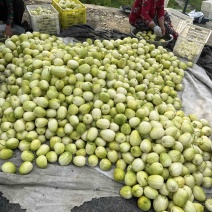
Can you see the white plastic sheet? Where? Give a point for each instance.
(60, 188)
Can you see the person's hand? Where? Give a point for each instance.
(157, 31)
(162, 26)
(163, 30)
(8, 31)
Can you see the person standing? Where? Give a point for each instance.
(11, 12)
(150, 14)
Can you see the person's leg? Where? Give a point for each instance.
(138, 23)
(18, 7)
(141, 25)
(168, 26)
(3, 12)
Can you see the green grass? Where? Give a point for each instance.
(173, 4)
(109, 3)
(119, 3)
(195, 4)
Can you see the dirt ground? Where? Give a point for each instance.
(97, 16)
(107, 18)
(101, 17)
(112, 18)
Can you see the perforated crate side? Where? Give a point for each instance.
(178, 14)
(196, 33)
(188, 49)
(70, 17)
(177, 23)
(179, 20)
(48, 23)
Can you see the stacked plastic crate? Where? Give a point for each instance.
(179, 20)
(191, 41)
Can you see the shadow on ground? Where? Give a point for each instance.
(5, 206)
(103, 204)
(108, 204)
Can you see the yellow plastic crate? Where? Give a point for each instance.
(70, 17)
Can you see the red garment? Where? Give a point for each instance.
(146, 10)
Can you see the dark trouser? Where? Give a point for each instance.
(18, 8)
(140, 24)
